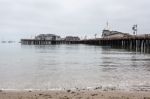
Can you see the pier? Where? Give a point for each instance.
(135, 43)
(46, 42)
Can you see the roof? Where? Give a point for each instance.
(113, 33)
(46, 35)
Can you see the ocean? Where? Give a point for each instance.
(58, 67)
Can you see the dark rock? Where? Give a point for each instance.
(30, 91)
(40, 94)
(146, 97)
(68, 90)
(72, 92)
(65, 97)
(98, 88)
(94, 94)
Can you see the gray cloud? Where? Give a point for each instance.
(23, 18)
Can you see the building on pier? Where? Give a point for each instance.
(114, 34)
(47, 37)
(72, 38)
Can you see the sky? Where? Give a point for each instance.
(28, 18)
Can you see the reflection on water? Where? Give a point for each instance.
(70, 66)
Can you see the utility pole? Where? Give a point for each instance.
(95, 35)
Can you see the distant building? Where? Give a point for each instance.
(47, 37)
(72, 38)
(114, 34)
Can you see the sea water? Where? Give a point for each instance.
(47, 67)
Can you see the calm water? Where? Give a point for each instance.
(70, 66)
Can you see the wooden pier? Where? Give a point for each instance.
(46, 42)
(139, 44)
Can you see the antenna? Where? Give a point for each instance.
(107, 25)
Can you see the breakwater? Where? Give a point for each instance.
(140, 44)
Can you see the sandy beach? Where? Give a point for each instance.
(79, 94)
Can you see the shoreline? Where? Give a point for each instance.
(73, 94)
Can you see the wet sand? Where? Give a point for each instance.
(78, 94)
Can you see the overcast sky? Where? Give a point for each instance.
(26, 18)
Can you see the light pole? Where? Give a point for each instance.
(134, 28)
(95, 35)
